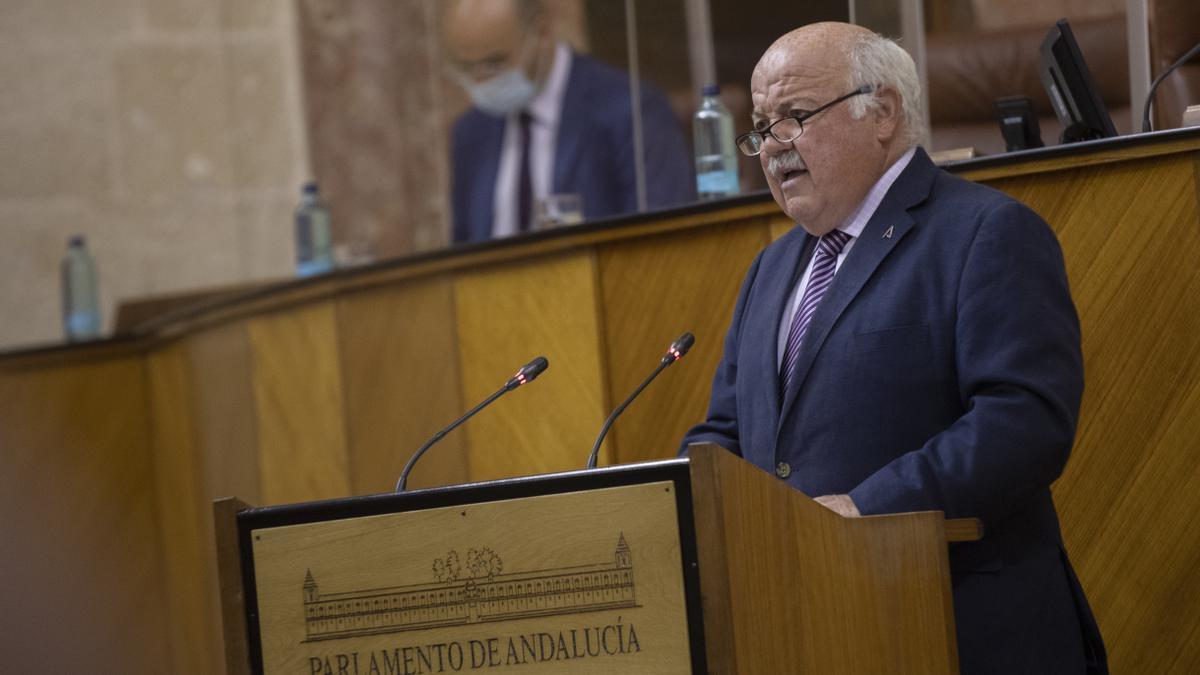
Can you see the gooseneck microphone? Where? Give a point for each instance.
(528, 373)
(675, 352)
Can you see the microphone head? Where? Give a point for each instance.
(529, 372)
(679, 347)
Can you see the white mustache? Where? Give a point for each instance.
(779, 165)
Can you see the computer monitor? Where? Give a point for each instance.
(1071, 89)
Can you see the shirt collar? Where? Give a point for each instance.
(857, 222)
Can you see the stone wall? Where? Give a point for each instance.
(169, 132)
(373, 95)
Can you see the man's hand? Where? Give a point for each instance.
(842, 505)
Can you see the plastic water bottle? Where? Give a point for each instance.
(314, 235)
(716, 158)
(81, 305)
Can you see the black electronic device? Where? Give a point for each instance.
(1018, 123)
(1071, 89)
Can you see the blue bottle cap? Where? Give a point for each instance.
(76, 241)
(310, 188)
(710, 90)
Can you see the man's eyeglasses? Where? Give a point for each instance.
(789, 128)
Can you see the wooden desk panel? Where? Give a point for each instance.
(297, 380)
(80, 554)
(205, 446)
(400, 373)
(224, 416)
(231, 402)
(192, 615)
(507, 315)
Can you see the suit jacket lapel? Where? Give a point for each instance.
(487, 154)
(887, 227)
(573, 121)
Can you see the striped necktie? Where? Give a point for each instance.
(824, 266)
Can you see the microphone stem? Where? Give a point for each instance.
(400, 484)
(1146, 123)
(621, 408)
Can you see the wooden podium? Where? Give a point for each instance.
(698, 565)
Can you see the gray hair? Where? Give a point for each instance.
(879, 61)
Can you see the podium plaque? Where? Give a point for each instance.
(586, 572)
(592, 578)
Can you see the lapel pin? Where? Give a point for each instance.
(888, 234)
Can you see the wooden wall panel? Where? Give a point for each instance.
(507, 315)
(401, 377)
(298, 397)
(80, 555)
(1129, 499)
(653, 290)
(1140, 573)
(182, 514)
(224, 433)
(225, 414)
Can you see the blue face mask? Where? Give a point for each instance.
(505, 93)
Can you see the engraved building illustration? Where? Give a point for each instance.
(490, 597)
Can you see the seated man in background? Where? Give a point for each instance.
(548, 121)
(911, 346)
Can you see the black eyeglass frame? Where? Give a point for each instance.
(762, 134)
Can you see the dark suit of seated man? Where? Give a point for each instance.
(547, 121)
(911, 345)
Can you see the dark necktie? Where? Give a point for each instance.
(524, 178)
(824, 266)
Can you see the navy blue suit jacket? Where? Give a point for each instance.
(593, 156)
(942, 371)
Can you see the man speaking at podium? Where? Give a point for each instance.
(911, 346)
